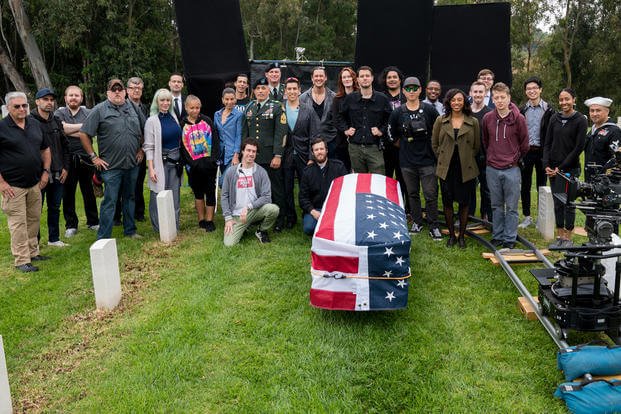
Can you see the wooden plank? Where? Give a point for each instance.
(514, 256)
(526, 308)
(580, 231)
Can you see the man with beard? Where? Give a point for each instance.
(81, 170)
(119, 130)
(315, 183)
(53, 134)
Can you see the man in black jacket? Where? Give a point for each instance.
(537, 113)
(53, 134)
(316, 182)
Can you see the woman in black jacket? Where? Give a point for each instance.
(561, 155)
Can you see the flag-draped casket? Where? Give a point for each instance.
(360, 255)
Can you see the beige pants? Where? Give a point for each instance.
(23, 214)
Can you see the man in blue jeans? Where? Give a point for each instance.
(505, 137)
(315, 183)
(118, 126)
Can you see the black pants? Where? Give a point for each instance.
(393, 170)
(564, 214)
(277, 181)
(295, 167)
(81, 173)
(532, 160)
(138, 195)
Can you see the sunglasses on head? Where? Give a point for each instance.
(23, 106)
(292, 79)
(412, 88)
(116, 88)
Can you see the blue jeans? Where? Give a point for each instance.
(504, 187)
(53, 192)
(308, 224)
(123, 182)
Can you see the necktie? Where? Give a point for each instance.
(177, 107)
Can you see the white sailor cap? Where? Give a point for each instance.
(598, 100)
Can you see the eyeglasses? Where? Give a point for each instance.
(411, 88)
(22, 106)
(138, 88)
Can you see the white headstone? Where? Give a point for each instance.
(166, 216)
(6, 406)
(619, 121)
(610, 264)
(545, 216)
(106, 276)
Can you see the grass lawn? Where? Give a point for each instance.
(203, 328)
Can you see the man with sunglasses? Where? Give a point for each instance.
(118, 126)
(410, 127)
(24, 171)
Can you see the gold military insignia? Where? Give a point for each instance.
(283, 118)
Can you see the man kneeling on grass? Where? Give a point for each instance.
(247, 197)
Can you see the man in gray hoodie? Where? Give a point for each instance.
(247, 197)
(505, 138)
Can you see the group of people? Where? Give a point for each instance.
(264, 138)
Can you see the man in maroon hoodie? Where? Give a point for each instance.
(505, 137)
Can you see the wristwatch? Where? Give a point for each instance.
(92, 155)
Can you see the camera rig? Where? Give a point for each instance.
(574, 294)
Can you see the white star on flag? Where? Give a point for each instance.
(388, 273)
(402, 283)
(400, 260)
(397, 235)
(383, 225)
(382, 214)
(390, 296)
(371, 235)
(388, 251)
(370, 216)
(370, 207)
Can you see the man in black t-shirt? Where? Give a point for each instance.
(24, 171)
(410, 128)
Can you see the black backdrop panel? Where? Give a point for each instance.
(212, 47)
(469, 38)
(394, 32)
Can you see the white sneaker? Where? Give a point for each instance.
(70, 232)
(94, 227)
(58, 243)
(416, 228)
(528, 221)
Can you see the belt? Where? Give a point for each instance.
(363, 145)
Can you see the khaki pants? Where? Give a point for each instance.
(23, 214)
(366, 159)
(267, 215)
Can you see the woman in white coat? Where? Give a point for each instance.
(162, 137)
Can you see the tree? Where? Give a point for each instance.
(37, 64)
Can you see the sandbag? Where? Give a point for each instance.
(592, 397)
(575, 361)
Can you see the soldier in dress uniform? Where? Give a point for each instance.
(604, 133)
(265, 120)
(274, 75)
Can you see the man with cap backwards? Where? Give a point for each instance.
(273, 76)
(52, 129)
(604, 133)
(119, 130)
(265, 121)
(410, 127)
(24, 170)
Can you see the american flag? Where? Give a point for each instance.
(360, 255)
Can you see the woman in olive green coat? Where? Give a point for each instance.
(455, 142)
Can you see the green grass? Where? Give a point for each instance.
(202, 328)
